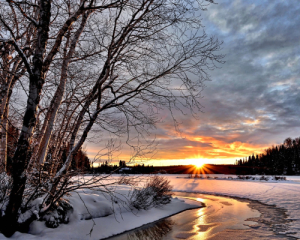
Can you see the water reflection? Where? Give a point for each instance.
(202, 226)
(220, 213)
(155, 232)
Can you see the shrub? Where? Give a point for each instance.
(264, 178)
(279, 178)
(156, 191)
(59, 213)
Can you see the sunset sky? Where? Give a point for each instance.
(253, 100)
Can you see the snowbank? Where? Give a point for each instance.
(96, 215)
(237, 177)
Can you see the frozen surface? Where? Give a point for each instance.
(283, 194)
(219, 215)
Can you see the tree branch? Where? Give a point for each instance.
(20, 52)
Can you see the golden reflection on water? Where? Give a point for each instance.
(220, 213)
(202, 227)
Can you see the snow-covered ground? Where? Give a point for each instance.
(110, 215)
(283, 194)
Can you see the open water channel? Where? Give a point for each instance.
(221, 218)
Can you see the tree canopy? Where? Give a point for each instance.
(85, 65)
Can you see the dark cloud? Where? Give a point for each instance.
(253, 100)
(254, 97)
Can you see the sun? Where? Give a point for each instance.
(197, 162)
(199, 165)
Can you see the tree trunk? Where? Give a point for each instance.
(73, 151)
(56, 101)
(3, 101)
(23, 152)
(3, 148)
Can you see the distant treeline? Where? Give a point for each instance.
(280, 159)
(122, 168)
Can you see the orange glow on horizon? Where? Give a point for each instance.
(192, 150)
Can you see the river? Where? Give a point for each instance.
(221, 218)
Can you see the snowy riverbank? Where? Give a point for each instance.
(109, 215)
(283, 194)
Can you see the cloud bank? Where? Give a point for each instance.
(253, 100)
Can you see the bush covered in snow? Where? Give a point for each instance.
(156, 191)
(59, 213)
(102, 197)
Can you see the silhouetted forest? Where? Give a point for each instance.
(122, 168)
(280, 159)
(80, 161)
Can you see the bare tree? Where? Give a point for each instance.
(107, 65)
